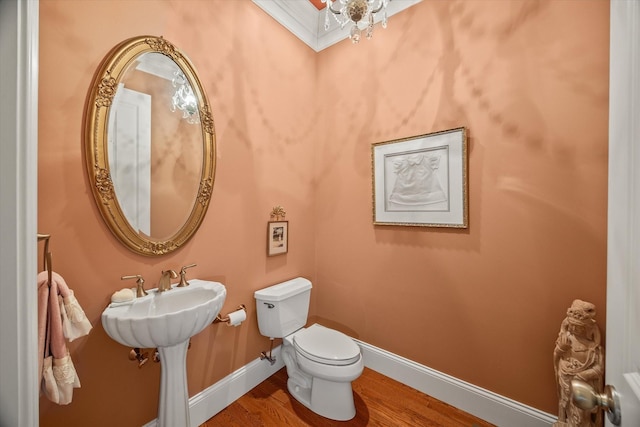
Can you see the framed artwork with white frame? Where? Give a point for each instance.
(421, 180)
(277, 237)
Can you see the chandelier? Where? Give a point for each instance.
(356, 11)
(183, 99)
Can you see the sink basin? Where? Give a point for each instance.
(165, 319)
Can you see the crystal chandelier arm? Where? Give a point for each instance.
(380, 6)
(330, 7)
(335, 12)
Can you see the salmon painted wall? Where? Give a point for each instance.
(529, 81)
(258, 78)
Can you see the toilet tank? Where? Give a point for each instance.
(283, 308)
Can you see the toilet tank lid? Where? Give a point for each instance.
(283, 290)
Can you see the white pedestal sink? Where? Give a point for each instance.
(166, 321)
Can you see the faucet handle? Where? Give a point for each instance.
(140, 292)
(183, 276)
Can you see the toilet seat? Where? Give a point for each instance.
(326, 346)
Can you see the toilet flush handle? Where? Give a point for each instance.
(269, 305)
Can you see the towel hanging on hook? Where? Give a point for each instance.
(59, 316)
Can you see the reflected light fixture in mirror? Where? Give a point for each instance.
(356, 11)
(151, 172)
(183, 99)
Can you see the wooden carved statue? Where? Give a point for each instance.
(578, 354)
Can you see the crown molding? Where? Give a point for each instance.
(307, 23)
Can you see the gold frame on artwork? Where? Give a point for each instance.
(103, 90)
(421, 180)
(277, 238)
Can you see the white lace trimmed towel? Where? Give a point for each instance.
(59, 378)
(66, 378)
(74, 322)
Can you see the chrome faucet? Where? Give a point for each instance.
(165, 280)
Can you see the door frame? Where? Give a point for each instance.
(19, 30)
(623, 233)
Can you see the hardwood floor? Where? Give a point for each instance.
(380, 401)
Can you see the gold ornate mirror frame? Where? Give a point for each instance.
(103, 90)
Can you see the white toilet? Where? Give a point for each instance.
(321, 362)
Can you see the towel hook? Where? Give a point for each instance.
(46, 259)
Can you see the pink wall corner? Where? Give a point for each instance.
(529, 81)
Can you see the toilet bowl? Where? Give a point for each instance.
(321, 362)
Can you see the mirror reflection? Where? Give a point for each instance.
(154, 149)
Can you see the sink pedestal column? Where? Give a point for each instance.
(173, 410)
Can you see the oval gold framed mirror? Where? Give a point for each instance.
(149, 145)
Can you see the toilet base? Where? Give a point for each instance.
(330, 399)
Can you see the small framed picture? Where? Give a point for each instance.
(422, 180)
(277, 237)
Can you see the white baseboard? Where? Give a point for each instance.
(477, 401)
